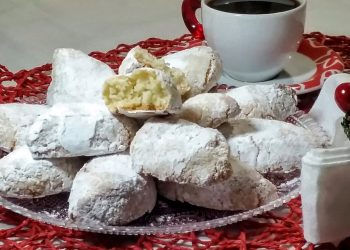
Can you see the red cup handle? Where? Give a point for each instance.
(189, 8)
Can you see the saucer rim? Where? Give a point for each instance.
(307, 85)
(277, 80)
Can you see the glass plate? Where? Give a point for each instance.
(167, 217)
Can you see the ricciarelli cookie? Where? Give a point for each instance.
(268, 145)
(265, 101)
(79, 129)
(202, 67)
(144, 92)
(76, 77)
(15, 118)
(180, 151)
(141, 58)
(106, 190)
(21, 176)
(245, 189)
(209, 109)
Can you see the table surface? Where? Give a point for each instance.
(31, 29)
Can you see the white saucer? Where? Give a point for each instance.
(299, 68)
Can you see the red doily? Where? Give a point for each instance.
(280, 232)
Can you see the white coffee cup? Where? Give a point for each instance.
(253, 47)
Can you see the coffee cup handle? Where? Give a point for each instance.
(189, 8)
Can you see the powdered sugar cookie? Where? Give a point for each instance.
(106, 190)
(245, 189)
(268, 145)
(79, 129)
(265, 101)
(141, 58)
(144, 92)
(180, 151)
(21, 176)
(209, 109)
(202, 67)
(76, 77)
(15, 118)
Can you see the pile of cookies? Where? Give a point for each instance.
(115, 141)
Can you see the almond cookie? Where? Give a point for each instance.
(141, 58)
(265, 101)
(209, 109)
(144, 92)
(21, 176)
(268, 145)
(107, 191)
(202, 67)
(15, 118)
(180, 151)
(76, 77)
(79, 129)
(244, 190)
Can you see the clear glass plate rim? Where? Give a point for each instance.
(137, 230)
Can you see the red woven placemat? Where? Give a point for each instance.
(273, 232)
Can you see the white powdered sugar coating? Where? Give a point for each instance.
(245, 189)
(21, 176)
(180, 151)
(201, 65)
(265, 101)
(79, 129)
(209, 109)
(130, 63)
(106, 190)
(76, 77)
(15, 118)
(268, 145)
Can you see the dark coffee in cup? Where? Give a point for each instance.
(253, 7)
